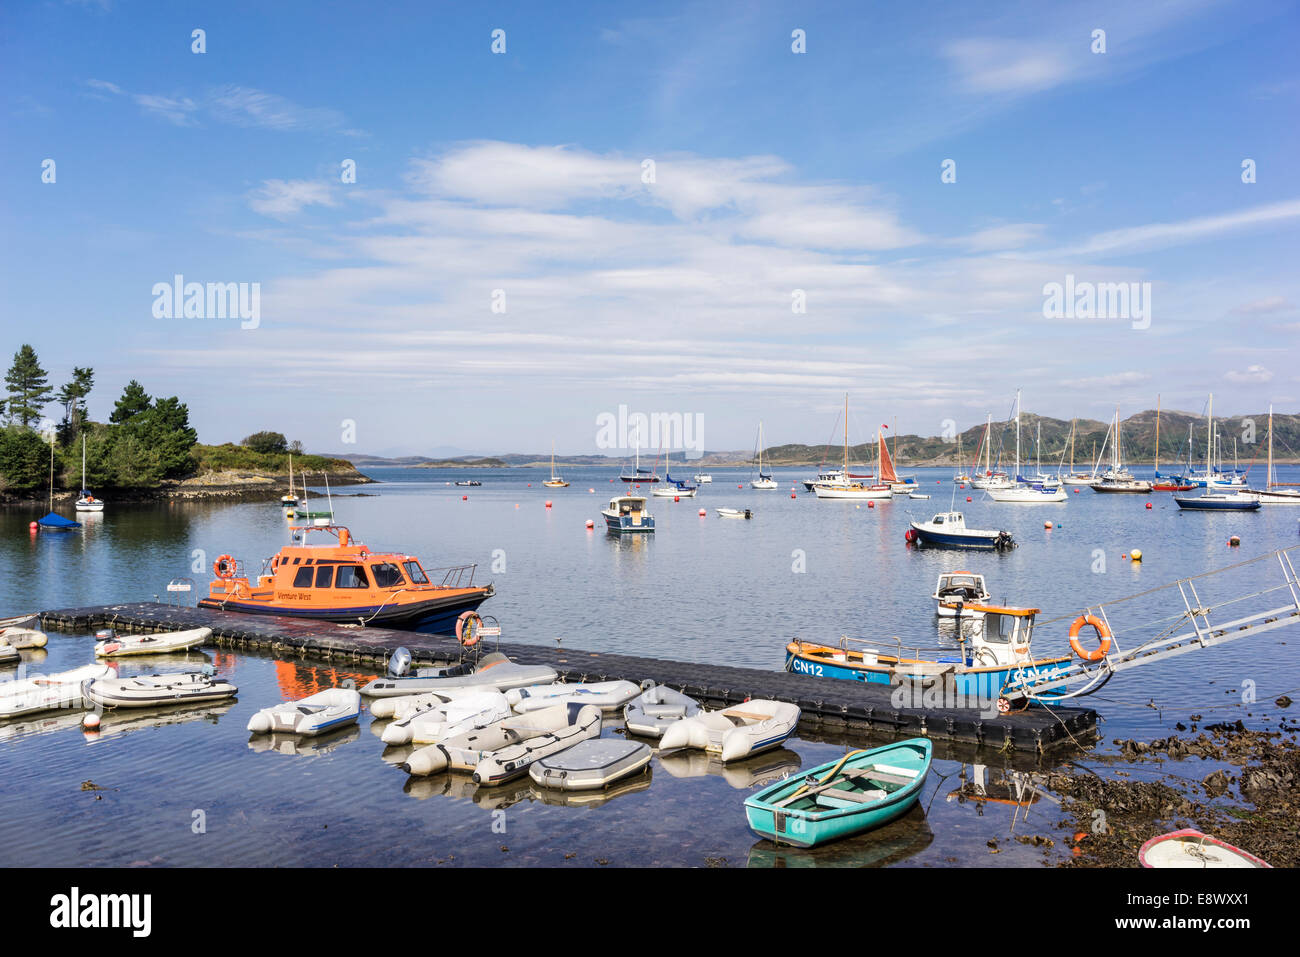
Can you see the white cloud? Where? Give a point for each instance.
(1160, 235)
(281, 198)
(1007, 66)
(1250, 375)
(236, 105)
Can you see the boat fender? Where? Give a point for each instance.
(224, 567)
(1103, 632)
(467, 628)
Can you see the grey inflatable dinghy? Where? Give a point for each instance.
(150, 691)
(495, 672)
(651, 714)
(591, 765)
(514, 761)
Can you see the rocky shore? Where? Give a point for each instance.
(230, 485)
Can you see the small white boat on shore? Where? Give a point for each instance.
(1190, 848)
(515, 761)
(735, 732)
(605, 695)
(591, 765)
(152, 691)
(650, 714)
(120, 646)
(315, 714)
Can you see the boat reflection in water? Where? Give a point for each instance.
(759, 770)
(882, 847)
(304, 745)
(461, 787)
(633, 785)
(114, 723)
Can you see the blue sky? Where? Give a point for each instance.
(774, 171)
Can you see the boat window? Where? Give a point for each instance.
(415, 573)
(324, 575)
(297, 560)
(387, 575)
(352, 576)
(303, 578)
(999, 628)
(938, 520)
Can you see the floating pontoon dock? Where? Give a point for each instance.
(826, 704)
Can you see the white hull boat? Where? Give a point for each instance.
(605, 695)
(151, 691)
(431, 725)
(24, 639)
(494, 672)
(854, 492)
(735, 732)
(650, 714)
(591, 765)
(672, 491)
(956, 589)
(315, 714)
(9, 655)
(734, 513)
(120, 646)
(515, 761)
(48, 692)
(464, 752)
(703, 479)
(406, 705)
(1027, 495)
(1190, 848)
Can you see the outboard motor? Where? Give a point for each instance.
(209, 670)
(105, 634)
(400, 663)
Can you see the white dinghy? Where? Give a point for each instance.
(735, 732)
(591, 765)
(406, 705)
(430, 725)
(464, 752)
(514, 761)
(47, 692)
(120, 646)
(605, 695)
(494, 672)
(650, 714)
(9, 655)
(151, 691)
(314, 714)
(23, 639)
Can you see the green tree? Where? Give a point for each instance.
(266, 442)
(24, 460)
(133, 402)
(72, 396)
(29, 390)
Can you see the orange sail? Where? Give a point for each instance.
(887, 473)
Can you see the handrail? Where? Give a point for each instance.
(454, 575)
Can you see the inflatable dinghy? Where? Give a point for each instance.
(650, 714)
(430, 725)
(495, 672)
(735, 732)
(514, 761)
(9, 655)
(464, 752)
(23, 638)
(605, 695)
(151, 691)
(325, 711)
(48, 692)
(591, 765)
(405, 705)
(119, 646)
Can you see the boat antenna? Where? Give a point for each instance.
(328, 498)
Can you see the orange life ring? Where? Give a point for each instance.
(467, 627)
(1103, 633)
(224, 567)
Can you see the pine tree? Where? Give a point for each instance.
(29, 390)
(73, 399)
(134, 401)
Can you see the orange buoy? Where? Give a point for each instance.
(1102, 631)
(703, 513)
(548, 503)
(792, 494)
(1047, 525)
(467, 628)
(590, 523)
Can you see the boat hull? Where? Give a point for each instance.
(1206, 504)
(982, 684)
(983, 540)
(432, 616)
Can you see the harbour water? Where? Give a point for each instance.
(190, 788)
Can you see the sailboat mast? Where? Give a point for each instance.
(1209, 440)
(51, 471)
(846, 438)
(1017, 435)
(83, 455)
(1157, 435)
(1268, 476)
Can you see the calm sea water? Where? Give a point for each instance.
(190, 787)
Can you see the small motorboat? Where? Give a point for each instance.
(605, 695)
(464, 752)
(429, 724)
(152, 691)
(591, 765)
(469, 483)
(514, 761)
(735, 732)
(734, 513)
(917, 495)
(19, 621)
(860, 791)
(1190, 848)
(649, 715)
(23, 639)
(315, 714)
(948, 529)
(113, 645)
(627, 513)
(702, 478)
(47, 692)
(956, 589)
(494, 672)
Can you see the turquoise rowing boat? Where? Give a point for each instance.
(858, 792)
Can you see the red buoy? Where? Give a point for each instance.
(548, 503)
(871, 505)
(1148, 504)
(968, 498)
(464, 498)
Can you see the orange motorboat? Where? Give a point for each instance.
(344, 581)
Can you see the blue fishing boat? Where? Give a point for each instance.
(858, 792)
(948, 529)
(990, 656)
(627, 513)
